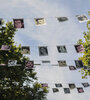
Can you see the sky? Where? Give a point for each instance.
(51, 35)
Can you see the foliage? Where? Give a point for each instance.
(16, 82)
(86, 56)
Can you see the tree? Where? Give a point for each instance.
(86, 56)
(15, 81)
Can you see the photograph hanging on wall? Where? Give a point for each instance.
(79, 63)
(80, 90)
(40, 21)
(72, 86)
(25, 50)
(66, 90)
(79, 48)
(62, 19)
(82, 18)
(62, 63)
(61, 49)
(44, 84)
(18, 23)
(58, 84)
(43, 51)
(85, 84)
(72, 67)
(12, 62)
(55, 90)
(5, 47)
(29, 64)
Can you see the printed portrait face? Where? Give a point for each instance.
(55, 90)
(72, 67)
(40, 21)
(62, 19)
(78, 63)
(25, 50)
(43, 51)
(5, 47)
(85, 84)
(79, 48)
(72, 86)
(62, 63)
(61, 49)
(18, 23)
(58, 85)
(66, 90)
(12, 62)
(29, 64)
(80, 90)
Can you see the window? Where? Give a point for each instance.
(61, 49)
(29, 64)
(55, 90)
(66, 90)
(79, 48)
(78, 63)
(62, 63)
(12, 62)
(25, 50)
(72, 86)
(80, 90)
(18, 23)
(72, 67)
(81, 18)
(62, 19)
(5, 47)
(85, 84)
(40, 21)
(58, 85)
(43, 51)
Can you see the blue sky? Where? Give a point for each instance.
(51, 35)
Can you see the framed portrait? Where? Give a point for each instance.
(12, 62)
(55, 90)
(44, 84)
(29, 64)
(58, 84)
(5, 47)
(66, 90)
(62, 63)
(61, 49)
(18, 23)
(80, 90)
(72, 86)
(79, 63)
(72, 67)
(82, 18)
(43, 51)
(25, 50)
(79, 48)
(40, 21)
(85, 84)
(62, 19)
